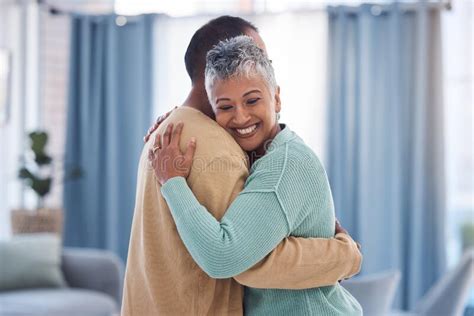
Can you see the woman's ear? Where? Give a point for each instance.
(277, 100)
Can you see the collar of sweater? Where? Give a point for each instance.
(284, 136)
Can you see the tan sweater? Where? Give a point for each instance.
(162, 278)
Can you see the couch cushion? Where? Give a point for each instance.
(31, 261)
(56, 302)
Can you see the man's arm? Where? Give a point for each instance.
(300, 263)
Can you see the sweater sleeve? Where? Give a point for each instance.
(252, 226)
(301, 263)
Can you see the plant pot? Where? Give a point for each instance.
(44, 220)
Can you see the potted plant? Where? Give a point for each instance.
(37, 173)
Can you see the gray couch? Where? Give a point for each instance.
(94, 279)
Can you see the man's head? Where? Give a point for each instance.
(209, 35)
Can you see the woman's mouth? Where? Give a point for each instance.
(247, 131)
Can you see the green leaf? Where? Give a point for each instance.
(41, 186)
(25, 174)
(39, 140)
(42, 159)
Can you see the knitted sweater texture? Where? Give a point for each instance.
(286, 194)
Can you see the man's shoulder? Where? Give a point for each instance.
(217, 154)
(190, 115)
(195, 122)
(211, 139)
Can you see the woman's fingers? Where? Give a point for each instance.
(159, 120)
(157, 124)
(147, 137)
(188, 156)
(150, 131)
(156, 141)
(176, 135)
(163, 117)
(157, 144)
(168, 161)
(167, 135)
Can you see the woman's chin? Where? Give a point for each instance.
(250, 143)
(247, 146)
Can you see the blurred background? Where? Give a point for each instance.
(381, 91)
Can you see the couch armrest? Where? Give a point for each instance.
(94, 269)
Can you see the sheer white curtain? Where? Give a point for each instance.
(296, 43)
(9, 18)
(18, 36)
(172, 83)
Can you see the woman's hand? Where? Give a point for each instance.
(166, 157)
(157, 124)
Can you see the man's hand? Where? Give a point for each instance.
(340, 229)
(157, 124)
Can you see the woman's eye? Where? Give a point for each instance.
(225, 107)
(253, 101)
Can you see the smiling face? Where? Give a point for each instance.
(247, 109)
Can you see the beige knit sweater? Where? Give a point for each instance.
(161, 277)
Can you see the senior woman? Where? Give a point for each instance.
(287, 192)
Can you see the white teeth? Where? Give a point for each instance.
(247, 130)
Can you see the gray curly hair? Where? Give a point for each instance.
(236, 57)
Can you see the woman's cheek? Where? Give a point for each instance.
(221, 119)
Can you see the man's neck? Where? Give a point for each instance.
(197, 99)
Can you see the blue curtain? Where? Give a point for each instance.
(385, 139)
(109, 110)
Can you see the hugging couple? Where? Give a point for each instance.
(249, 227)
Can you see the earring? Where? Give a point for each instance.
(277, 116)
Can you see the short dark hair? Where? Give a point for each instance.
(207, 36)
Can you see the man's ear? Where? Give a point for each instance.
(277, 100)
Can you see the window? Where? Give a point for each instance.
(459, 117)
(458, 48)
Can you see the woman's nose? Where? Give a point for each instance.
(241, 116)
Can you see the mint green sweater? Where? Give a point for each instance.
(287, 193)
